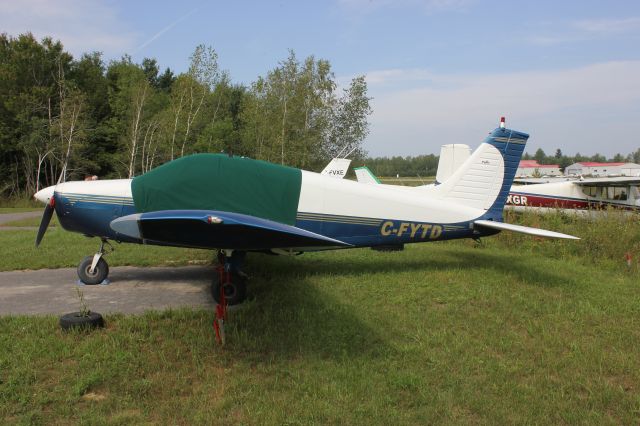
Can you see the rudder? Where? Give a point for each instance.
(484, 180)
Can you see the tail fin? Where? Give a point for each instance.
(337, 168)
(364, 175)
(484, 180)
(452, 156)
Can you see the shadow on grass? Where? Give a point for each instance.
(290, 314)
(292, 317)
(445, 258)
(520, 265)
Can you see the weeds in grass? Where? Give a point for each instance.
(84, 310)
(606, 235)
(19, 202)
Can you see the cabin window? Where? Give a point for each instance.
(591, 191)
(606, 193)
(620, 193)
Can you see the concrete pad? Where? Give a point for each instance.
(11, 217)
(132, 290)
(18, 228)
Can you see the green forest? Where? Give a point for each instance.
(67, 118)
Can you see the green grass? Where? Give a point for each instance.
(439, 333)
(21, 202)
(60, 248)
(515, 330)
(407, 181)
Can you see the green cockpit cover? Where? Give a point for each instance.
(220, 182)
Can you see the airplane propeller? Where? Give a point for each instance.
(46, 219)
(47, 195)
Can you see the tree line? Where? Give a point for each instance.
(427, 165)
(63, 118)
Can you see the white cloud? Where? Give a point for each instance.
(607, 26)
(81, 26)
(586, 30)
(398, 75)
(592, 104)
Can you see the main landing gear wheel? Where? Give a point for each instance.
(99, 273)
(235, 290)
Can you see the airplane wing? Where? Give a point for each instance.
(610, 181)
(535, 181)
(217, 229)
(522, 229)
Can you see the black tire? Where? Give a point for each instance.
(99, 274)
(78, 320)
(235, 291)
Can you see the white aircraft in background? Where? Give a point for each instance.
(621, 193)
(337, 168)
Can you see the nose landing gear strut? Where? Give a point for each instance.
(94, 269)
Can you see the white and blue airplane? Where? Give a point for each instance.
(238, 205)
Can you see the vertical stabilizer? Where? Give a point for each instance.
(452, 156)
(337, 168)
(364, 175)
(484, 180)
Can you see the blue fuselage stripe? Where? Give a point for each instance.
(86, 216)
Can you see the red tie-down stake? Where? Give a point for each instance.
(628, 258)
(221, 308)
(218, 324)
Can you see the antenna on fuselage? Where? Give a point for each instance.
(347, 154)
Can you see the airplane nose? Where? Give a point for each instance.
(44, 194)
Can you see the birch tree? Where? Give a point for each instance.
(349, 125)
(189, 94)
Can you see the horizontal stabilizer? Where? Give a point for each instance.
(522, 229)
(217, 229)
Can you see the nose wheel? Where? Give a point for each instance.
(94, 269)
(96, 276)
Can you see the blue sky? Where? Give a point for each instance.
(439, 71)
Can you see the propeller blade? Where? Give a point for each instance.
(46, 219)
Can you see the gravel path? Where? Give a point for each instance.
(10, 217)
(132, 290)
